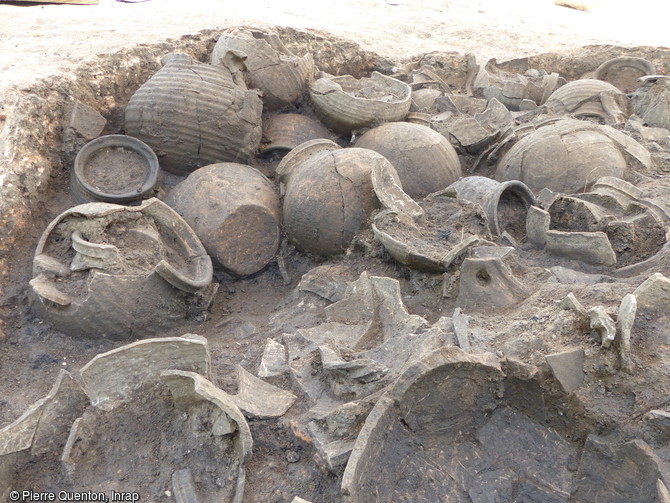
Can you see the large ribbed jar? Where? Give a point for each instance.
(193, 114)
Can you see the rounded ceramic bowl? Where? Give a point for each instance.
(115, 169)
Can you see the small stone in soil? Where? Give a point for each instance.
(292, 456)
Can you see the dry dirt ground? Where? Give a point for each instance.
(46, 48)
(40, 40)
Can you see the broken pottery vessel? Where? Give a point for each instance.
(624, 72)
(342, 365)
(234, 210)
(284, 132)
(104, 270)
(505, 204)
(432, 235)
(345, 104)
(590, 98)
(424, 159)
(611, 224)
(432, 240)
(488, 283)
(192, 114)
(268, 65)
(569, 155)
(456, 413)
(652, 101)
(153, 397)
(329, 197)
(515, 91)
(423, 99)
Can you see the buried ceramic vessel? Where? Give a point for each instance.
(453, 412)
(128, 398)
(516, 92)
(424, 159)
(110, 271)
(624, 72)
(192, 114)
(590, 98)
(346, 104)
(284, 132)
(632, 229)
(569, 155)
(234, 210)
(445, 230)
(300, 155)
(505, 204)
(329, 196)
(269, 66)
(115, 169)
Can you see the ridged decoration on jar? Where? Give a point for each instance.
(345, 103)
(567, 156)
(424, 159)
(281, 75)
(234, 210)
(329, 197)
(192, 114)
(284, 132)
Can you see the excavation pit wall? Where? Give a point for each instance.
(34, 188)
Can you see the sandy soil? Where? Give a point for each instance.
(40, 40)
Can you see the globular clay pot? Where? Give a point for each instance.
(329, 197)
(284, 132)
(301, 154)
(111, 271)
(424, 159)
(569, 156)
(192, 114)
(234, 210)
(345, 103)
(269, 66)
(505, 203)
(115, 169)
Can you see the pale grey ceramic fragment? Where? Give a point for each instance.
(113, 376)
(568, 368)
(654, 292)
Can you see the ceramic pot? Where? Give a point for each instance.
(192, 114)
(115, 169)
